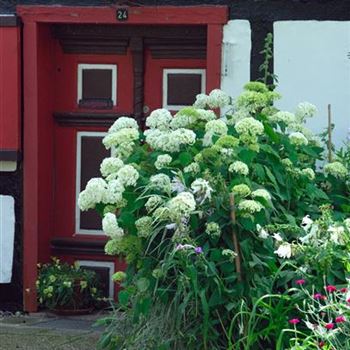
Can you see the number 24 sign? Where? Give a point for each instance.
(122, 14)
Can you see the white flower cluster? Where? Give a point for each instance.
(249, 126)
(284, 250)
(309, 173)
(248, 206)
(182, 205)
(298, 139)
(241, 190)
(217, 127)
(262, 233)
(110, 166)
(283, 117)
(218, 99)
(123, 123)
(110, 226)
(239, 167)
(114, 193)
(169, 141)
(262, 194)
(159, 119)
(212, 229)
(202, 189)
(229, 253)
(94, 193)
(120, 137)
(201, 101)
(161, 182)
(128, 175)
(193, 168)
(336, 169)
(305, 110)
(153, 202)
(144, 226)
(163, 161)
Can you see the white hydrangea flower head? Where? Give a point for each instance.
(193, 168)
(336, 169)
(262, 233)
(202, 189)
(347, 223)
(163, 161)
(206, 115)
(114, 193)
(110, 165)
(298, 139)
(249, 126)
(122, 136)
(284, 250)
(212, 229)
(309, 173)
(122, 123)
(202, 100)
(184, 136)
(218, 99)
(95, 192)
(181, 121)
(287, 163)
(336, 234)
(239, 167)
(128, 175)
(161, 182)
(182, 205)
(262, 193)
(229, 253)
(241, 190)
(305, 110)
(144, 226)
(217, 127)
(283, 117)
(250, 206)
(153, 202)
(110, 226)
(252, 101)
(159, 119)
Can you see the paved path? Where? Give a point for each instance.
(46, 331)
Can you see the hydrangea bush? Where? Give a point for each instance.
(186, 203)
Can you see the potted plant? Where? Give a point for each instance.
(67, 289)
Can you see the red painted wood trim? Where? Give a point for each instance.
(30, 168)
(214, 48)
(10, 82)
(137, 15)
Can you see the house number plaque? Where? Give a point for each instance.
(122, 14)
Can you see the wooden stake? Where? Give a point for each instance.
(330, 156)
(234, 238)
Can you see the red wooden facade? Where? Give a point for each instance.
(53, 117)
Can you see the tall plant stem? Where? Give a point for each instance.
(234, 237)
(330, 156)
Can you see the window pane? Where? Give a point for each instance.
(97, 84)
(183, 88)
(92, 154)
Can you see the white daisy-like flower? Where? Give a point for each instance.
(202, 189)
(110, 226)
(262, 233)
(284, 250)
(239, 167)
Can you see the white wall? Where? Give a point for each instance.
(312, 64)
(7, 233)
(236, 50)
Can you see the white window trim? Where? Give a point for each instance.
(110, 265)
(112, 67)
(202, 72)
(78, 230)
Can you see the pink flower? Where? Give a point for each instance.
(348, 300)
(344, 290)
(319, 296)
(340, 319)
(331, 288)
(300, 282)
(294, 321)
(329, 325)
